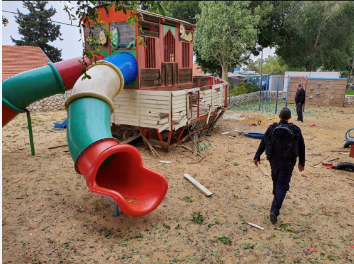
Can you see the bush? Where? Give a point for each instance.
(241, 89)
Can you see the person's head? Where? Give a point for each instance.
(285, 114)
(298, 86)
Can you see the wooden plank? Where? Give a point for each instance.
(163, 74)
(155, 142)
(130, 139)
(153, 92)
(179, 100)
(151, 18)
(164, 21)
(174, 73)
(124, 122)
(150, 74)
(178, 104)
(180, 124)
(148, 33)
(152, 101)
(198, 185)
(179, 93)
(148, 25)
(185, 75)
(178, 109)
(169, 74)
(165, 127)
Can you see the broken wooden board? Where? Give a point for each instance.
(263, 170)
(198, 185)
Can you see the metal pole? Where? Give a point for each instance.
(287, 93)
(276, 101)
(266, 96)
(260, 84)
(30, 131)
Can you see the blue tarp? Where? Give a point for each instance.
(60, 125)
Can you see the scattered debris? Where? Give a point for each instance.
(311, 249)
(313, 125)
(269, 118)
(224, 133)
(303, 175)
(151, 147)
(265, 173)
(198, 185)
(17, 180)
(58, 146)
(165, 161)
(262, 228)
(320, 161)
(328, 165)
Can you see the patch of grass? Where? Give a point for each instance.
(349, 92)
(248, 246)
(225, 240)
(332, 257)
(187, 199)
(283, 228)
(237, 197)
(197, 218)
(236, 164)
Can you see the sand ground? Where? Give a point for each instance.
(50, 216)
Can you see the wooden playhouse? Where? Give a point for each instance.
(165, 104)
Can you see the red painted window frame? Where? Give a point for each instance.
(185, 54)
(150, 53)
(169, 47)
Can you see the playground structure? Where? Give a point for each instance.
(153, 93)
(350, 139)
(112, 170)
(164, 104)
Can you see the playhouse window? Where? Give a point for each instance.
(169, 44)
(185, 55)
(150, 53)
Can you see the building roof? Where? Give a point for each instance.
(17, 59)
(197, 70)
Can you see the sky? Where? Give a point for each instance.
(70, 45)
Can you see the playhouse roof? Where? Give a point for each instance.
(144, 12)
(166, 17)
(17, 59)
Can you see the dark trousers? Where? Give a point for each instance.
(299, 109)
(281, 175)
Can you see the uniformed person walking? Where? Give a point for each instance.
(283, 143)
(300, 101)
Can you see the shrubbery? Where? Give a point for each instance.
(244, 88)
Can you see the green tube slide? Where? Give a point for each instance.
(87, 114)
(34, 85)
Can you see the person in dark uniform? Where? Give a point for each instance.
(282, 165)
(300, 101)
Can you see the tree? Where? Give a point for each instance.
(5, 21)
(318, 35)
(273, 66)
(224, 30)
(37, 30)
(184, 10)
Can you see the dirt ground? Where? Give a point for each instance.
(50, 216)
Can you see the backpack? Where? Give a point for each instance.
(281, 142)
